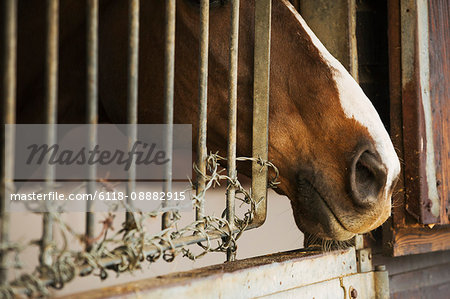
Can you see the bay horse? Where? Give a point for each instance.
(337, 164)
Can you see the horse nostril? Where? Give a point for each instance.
(367, 178)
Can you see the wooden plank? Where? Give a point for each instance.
(420, 279)
(334, 24)
(439, 47)
(419, 27)
(403, 143)
(431, 292)
(253, 277)
(416, 185)
(396, 120)
(424, 141)
(417, 276)
(420, 240)
(402, 264)
(417, 239)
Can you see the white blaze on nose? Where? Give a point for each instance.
(356, 105)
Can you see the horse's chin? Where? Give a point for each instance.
(313, 216)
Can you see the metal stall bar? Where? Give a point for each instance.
(261, 85)
(51, 116)
(92, 105)
(203, 96)
(232, 117)
(132, 108)
(169, 75)
(7, 134)
(260, 137)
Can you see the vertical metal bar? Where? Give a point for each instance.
(92, 104)
(353, 43)
(51, 117)
(132, 109)
(232, 115)
(381, 278)
(169, 73)
(260, 137)
(203, 96)
(7, 134)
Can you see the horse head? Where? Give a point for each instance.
(337, 163)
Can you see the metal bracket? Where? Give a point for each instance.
(363, 255)
(364, 260)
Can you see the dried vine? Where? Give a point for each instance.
(128, 244)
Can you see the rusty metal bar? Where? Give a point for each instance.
(353, 43)
(232, 116)
(92, 104)
(169, 75)
(203, 96)
(260, 137)
(7, 133)
(51, 116)
(132, 108)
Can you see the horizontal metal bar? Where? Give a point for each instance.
(260, 137)
(7, 135)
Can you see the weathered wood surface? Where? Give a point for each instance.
(396, 119)
(439, 33)
(408, 263)
(334, 23)
(418, 276)
(414, 139)
(416, 282)
(431, 292)
(410, 87)
(426, 103)
(420, 240)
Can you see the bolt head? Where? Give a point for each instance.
(380, 268)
